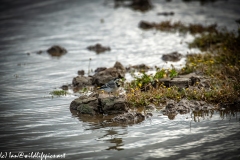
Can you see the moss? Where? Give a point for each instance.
(85, 109)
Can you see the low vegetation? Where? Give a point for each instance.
(169, 26)
(220, 62)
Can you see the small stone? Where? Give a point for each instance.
(174, 57)
(56, 51)
(98, 48)
(64, 87)
(81, 72)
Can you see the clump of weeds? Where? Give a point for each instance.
(59, 93)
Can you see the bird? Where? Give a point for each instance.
(111, 86)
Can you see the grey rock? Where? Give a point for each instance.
(102, 77)
(81, 81)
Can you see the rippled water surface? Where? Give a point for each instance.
(32, 121)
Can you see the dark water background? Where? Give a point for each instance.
(32, 121)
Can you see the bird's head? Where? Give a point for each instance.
(117, 81)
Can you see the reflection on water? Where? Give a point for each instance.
(32, 121)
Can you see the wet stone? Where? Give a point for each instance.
(104, 76)
(174, 57)
(64, 87)
(165, 13)
(185, 106)
(98, 48)
(81, 72)
(56, 51)
(81, 81)
(129, 117)
(146, 25)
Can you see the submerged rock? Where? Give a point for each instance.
(146, 25)
(174, 57)
(98, 48)
(165, 13)
(57, 51)
(64, 87)
(129, 117)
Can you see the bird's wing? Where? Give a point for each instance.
(110, 84)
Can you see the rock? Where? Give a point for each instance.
(139, 67)
(129, 117)
(39, 52)
(99, 69)
(184, 81)
(85, 105)
(185, 106)
(102, 77)
(64, 87)
(194, 80)
(180, 82)
(98, 104)
(57, 51)
(98, 48)
(113, 105)
(81, 81)
(174, 57)
(81, 72)
(120, 69)
(165, 13)
(150, 107)
(141, 5)
(146, 25)
(170, 107)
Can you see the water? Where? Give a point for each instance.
(33, 121)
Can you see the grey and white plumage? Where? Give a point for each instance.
(111, 86)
